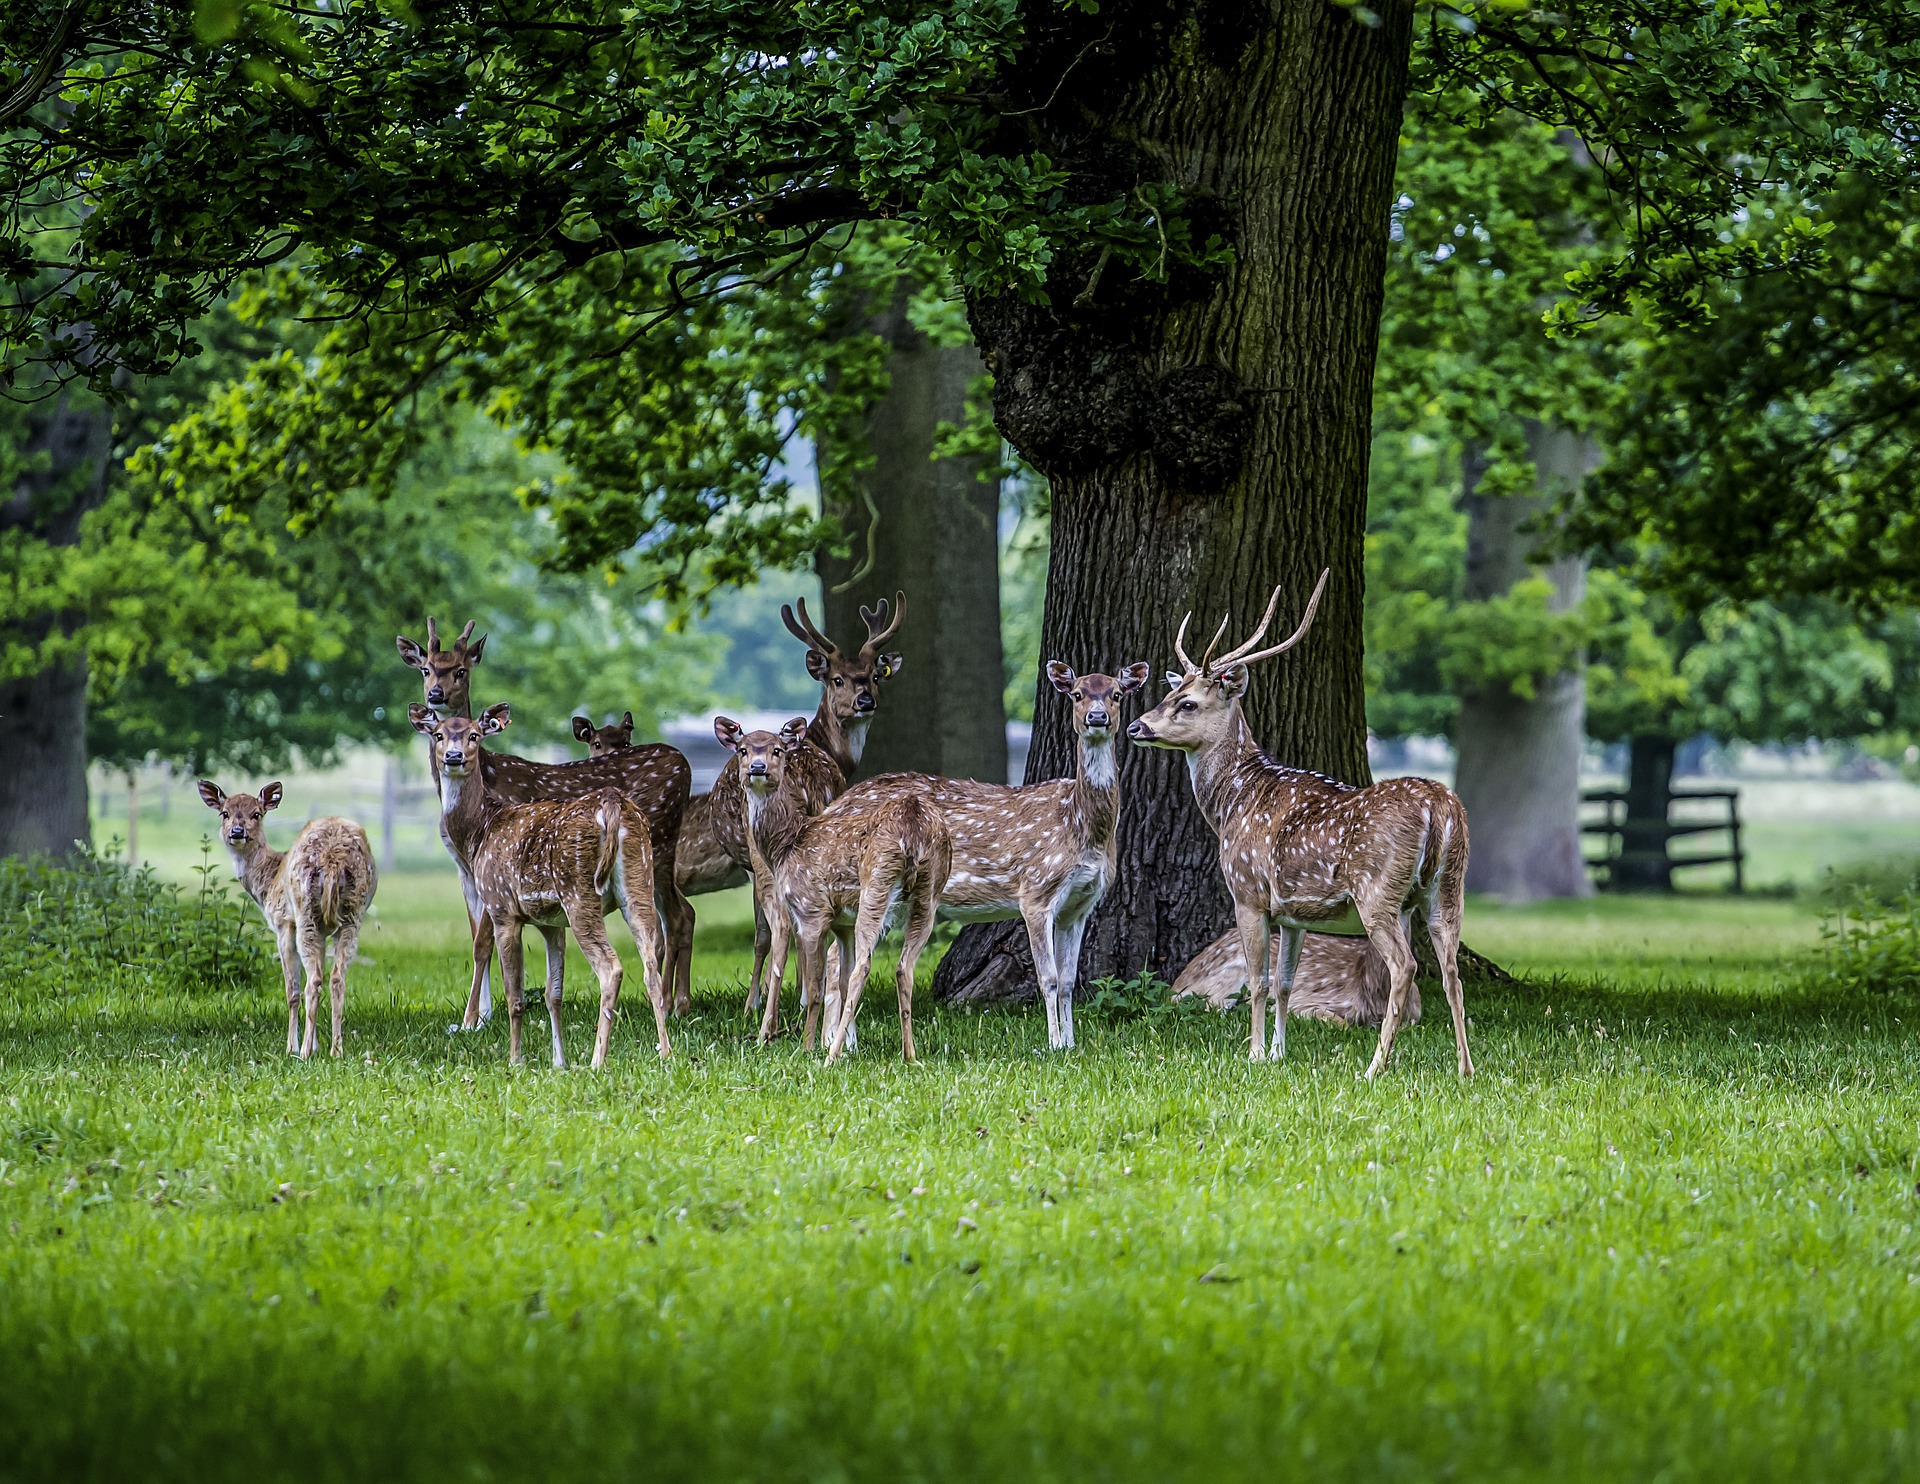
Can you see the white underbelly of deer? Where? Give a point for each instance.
(1340, 918)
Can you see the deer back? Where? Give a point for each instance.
(328, 873)
(531, 859)
(655, 776)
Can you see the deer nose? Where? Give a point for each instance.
(236, 833)
(455, 758)
(1098, 717)
(1140, 732)
(863, 702)
(435, 695)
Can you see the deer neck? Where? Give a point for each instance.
(257, 870)
(1096, 788)
(465, 805)
(774, 822)
(843, 741)
(1217, 769)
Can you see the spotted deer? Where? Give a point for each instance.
(615, 736)
(1339, 980)
(550, 864)
(714, 853)
(848, 876)
(1042, 852)
(656, 777)
(317, 889)
(1305, 853)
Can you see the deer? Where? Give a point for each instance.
(1043, 852)
(845, 875)
(318, 888)
(615, 736)
(714, 852)
(654, 775)
(553, 864)
(1303, 852)
(1340, 980)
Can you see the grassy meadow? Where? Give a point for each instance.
(1667, 1233)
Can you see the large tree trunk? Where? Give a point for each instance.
(43, 717)
(933, 533)
(1206, 440)
(1519, 757)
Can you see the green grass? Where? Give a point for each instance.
(1667, 1233)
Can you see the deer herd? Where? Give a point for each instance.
(1310, 862)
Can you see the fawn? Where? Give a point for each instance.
(319, 888)
(847, 875)
(550, 864)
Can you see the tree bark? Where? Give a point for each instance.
(1206, 439)
(43, 717)
(934, 534)
(1519, 757)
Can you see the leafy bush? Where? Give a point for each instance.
(1871, 938)
(1144, 997)
(91, 919)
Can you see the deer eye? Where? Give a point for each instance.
(1189, 706)
(839, 680)
(459, 674)
(1076, 695)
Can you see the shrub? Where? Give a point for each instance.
(1870, 939)
(1144, 997)
(90, 919)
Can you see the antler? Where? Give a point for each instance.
(465, 634)
(1214, 642)
(878, 614)
(803, 629)
(1241, 656)
(433, 636)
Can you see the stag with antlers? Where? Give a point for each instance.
(1304, 853)
(714, 851)
(655, 776)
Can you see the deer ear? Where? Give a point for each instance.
(626, 721)
(1061, 675)
(420, 719)
(474, 650)
(727, 732)
(1174, 677)
(496, 718)
(817, 665)
(794, 731)
(212, 793)
(1133, 677)
(1233, 684)
(270, 796)
(890, 666)
(410, 652)
(582, 729)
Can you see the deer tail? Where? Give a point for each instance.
(608, 816)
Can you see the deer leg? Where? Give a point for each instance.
(913, 941)
(556, 941)
(677, 913)
(479, 1009)
(781, 928)
(838, 974)
(1256, 942)
(1045, 967)
(346, 943)
(860, 962)
(1443, 931)
(590, 927)
(313, 961)
(813, 955)
(1384, 932)
(290, 973)
(513, 976)
(1290, 940)
(762, 944)
(1069, 939)
(655, 947)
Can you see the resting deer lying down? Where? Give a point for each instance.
(841, 874)
(551, 864)
(319, 888)
(1303, 852)
(1341, 980)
